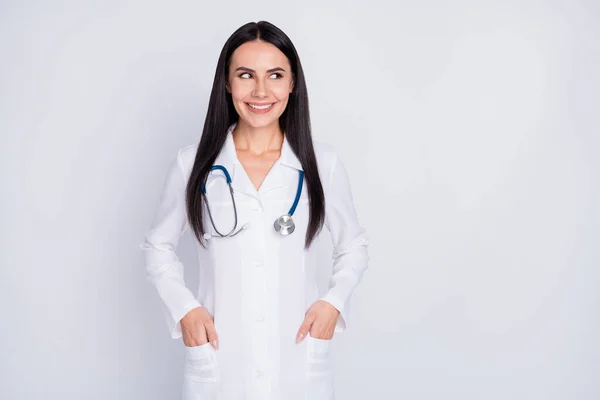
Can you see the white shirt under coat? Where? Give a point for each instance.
(257, 285)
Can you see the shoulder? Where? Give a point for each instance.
(327, 157)
(325, 152)
(186, 157)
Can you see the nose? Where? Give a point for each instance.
(260, 89)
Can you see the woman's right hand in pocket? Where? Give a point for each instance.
(197, 328)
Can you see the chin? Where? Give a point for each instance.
(258, 123)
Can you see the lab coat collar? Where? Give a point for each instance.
(227, 156)
(288, 157)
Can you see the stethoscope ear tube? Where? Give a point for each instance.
(235, 214)
(298, 193)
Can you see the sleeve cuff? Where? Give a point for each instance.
(174, 321)
(341, 307)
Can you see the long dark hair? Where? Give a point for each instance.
(221, 114)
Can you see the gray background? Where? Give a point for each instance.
(470, 131)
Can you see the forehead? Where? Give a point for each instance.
(259, 55)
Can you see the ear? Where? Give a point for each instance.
(291, 86)
(227, 88)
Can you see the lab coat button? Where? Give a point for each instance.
(259, 373)
(257, 264)
(260, 319)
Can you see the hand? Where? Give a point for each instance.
(197, 328)
(320, 320)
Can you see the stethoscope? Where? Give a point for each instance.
(283, 225)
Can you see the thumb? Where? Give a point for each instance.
(211, 334)
(305, 327)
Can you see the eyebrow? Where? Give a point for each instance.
(251, 70)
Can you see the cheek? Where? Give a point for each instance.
(281, 92)
(240, 91)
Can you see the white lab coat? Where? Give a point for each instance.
(257, 285)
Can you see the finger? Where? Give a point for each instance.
(317, 331)
(188, 336)
(305, 327)
(211, 334)
(199, 336)
(327, 334)
(187, 341)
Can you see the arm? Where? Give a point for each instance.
(163, 268)
(349, 241)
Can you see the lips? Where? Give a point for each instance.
(258, 108)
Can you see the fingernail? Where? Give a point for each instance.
(299, 337)
(215, 344)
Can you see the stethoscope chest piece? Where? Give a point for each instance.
(284, 225)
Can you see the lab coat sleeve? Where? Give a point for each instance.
(349, 239)
(163, 267)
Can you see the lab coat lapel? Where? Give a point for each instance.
(228, 158)
(278, 177)
(273, 180)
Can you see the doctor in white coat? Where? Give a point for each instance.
(257, 329)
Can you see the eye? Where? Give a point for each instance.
(279, 76)
(243, 75)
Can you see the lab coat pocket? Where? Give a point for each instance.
(201, 363)
(201, 374)
(319, 371)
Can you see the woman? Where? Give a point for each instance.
(257, 328)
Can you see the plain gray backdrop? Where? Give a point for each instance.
(470, 131)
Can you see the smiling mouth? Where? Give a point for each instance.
(259, 108)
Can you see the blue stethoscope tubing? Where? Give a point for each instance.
(284, 225)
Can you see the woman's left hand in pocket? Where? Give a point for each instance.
(320, 320)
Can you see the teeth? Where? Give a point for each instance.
(260, 107)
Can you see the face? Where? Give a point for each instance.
(260, 82)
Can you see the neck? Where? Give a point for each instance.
(257, 140)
